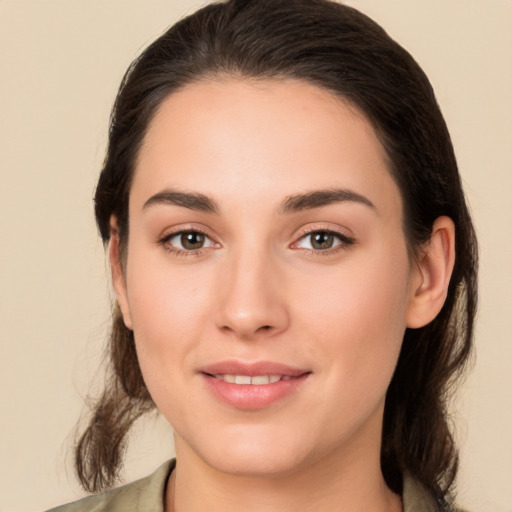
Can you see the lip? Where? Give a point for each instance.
(252, 369)
(253, 396)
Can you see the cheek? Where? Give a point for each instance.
(160, 293)
(357, 325)
(357, 316)
(167, 314)
(168, 310)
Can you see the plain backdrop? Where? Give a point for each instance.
(60, 65)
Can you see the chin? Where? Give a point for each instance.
(251, 454)
(252, 463)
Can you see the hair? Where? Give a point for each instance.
(339, 49)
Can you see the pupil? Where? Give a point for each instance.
(322, 240)
(192, 240)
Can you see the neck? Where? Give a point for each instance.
(325, 485)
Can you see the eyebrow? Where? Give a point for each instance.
(294, 203)
(319, 198)
(191, 200)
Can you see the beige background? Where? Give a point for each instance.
(61, 62)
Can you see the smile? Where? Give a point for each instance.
(253, 386)
(256, 380)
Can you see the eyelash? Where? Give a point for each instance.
(344, 242)
(165, 242)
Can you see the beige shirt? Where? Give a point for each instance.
(147, 495)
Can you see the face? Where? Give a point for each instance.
(267, 277)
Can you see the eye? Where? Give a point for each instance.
(322, 240)
(188, 241)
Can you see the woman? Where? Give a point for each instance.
(294, 267)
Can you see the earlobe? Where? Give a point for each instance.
(432, 274)
(118, 276)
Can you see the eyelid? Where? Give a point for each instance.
(169, 233)
(337, 229)
(345, 239)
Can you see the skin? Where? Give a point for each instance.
(257, 291)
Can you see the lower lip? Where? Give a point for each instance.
(253, 397)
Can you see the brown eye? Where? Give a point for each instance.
(192, 240)
(187, 241)
(322, 240)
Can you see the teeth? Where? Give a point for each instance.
(260, 379)
(255, 380)
(242, 379)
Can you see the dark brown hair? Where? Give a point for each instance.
(341, 50)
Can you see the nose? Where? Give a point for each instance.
(252, 298)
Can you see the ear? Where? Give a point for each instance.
(118, 276)
(431, 275)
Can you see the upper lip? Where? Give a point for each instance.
(252, 369)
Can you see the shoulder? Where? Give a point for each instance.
(417, 499)
(144, 495)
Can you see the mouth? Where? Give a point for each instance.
(248, 380)
(251, 386)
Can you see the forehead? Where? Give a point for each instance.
(234, 137)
